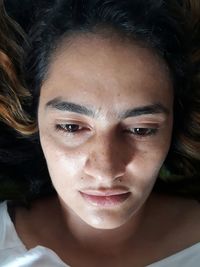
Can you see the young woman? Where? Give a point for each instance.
(112, 98)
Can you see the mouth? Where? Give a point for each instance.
(108, 198)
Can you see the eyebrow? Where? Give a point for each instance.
(62, 105)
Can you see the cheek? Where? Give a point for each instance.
(62, 163)
(144, 169)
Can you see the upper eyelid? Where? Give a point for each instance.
(81, 124)
(81, 127)
(145, 126)
(155, 128)
(60, 126)
(136, 136)
(122, 126)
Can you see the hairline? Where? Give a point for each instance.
(104, 31)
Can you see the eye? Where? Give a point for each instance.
(143, 132)
(69, 128)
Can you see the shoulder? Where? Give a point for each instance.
(3, 206)
(10, 244)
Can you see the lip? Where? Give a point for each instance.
(106, 198)
(105, 192)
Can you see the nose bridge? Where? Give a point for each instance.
(106, 159)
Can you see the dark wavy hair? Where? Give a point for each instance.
(183, 162)
(17, 153)
(12, 91)
(157, 24)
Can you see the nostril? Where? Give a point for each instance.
(119, 180)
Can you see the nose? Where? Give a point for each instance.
(107, 159)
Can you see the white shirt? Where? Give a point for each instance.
(13, 253)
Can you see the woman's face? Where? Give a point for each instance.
(105, 121)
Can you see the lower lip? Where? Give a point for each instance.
(105, 201)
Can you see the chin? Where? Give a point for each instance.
(105, 221)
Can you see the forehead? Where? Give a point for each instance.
(91, 66)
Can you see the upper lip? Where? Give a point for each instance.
(104, 192)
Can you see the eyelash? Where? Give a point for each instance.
(148, 131)
(63, 128)
(145, 132)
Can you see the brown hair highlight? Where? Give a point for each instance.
(12, 92)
